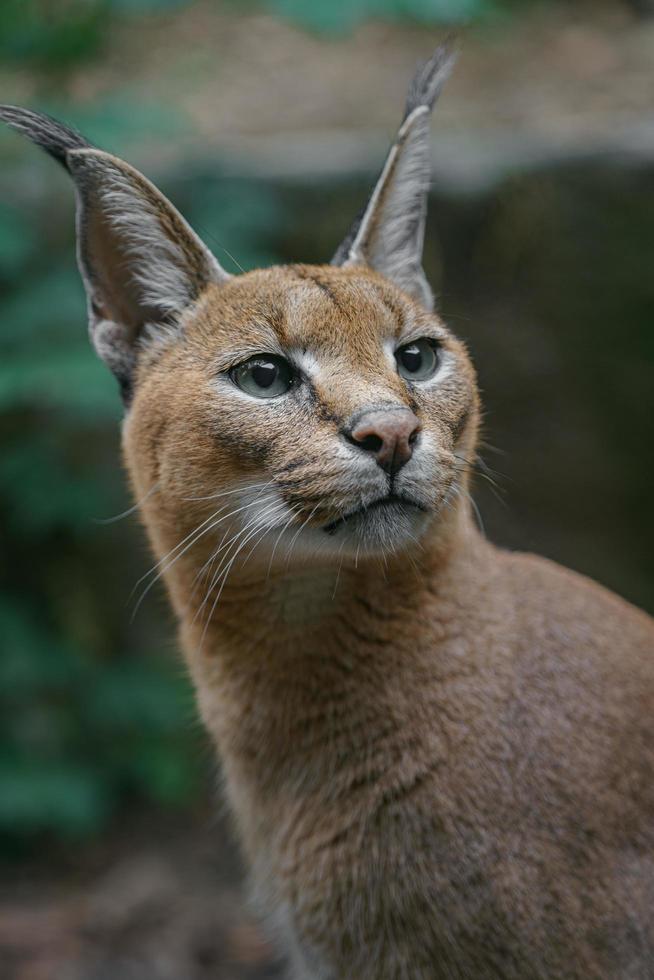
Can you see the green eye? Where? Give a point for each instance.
(417, 361)
(264, 376)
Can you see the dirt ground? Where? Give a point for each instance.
(159, 899)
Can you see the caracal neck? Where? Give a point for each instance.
(303, 608)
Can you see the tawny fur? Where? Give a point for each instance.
(442, 765)
(439, 756)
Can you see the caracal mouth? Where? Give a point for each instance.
(392, 507)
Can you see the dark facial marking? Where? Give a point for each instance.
(126, 387)
(320, 283)
(275, 316)
(325, 414)
(293, 465)
(394, 308)
(251, 451)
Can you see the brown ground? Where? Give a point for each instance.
(157, 900)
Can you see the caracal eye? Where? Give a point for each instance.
(419, 360)
(264, 376)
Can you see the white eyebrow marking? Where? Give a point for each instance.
(390, 346)
(305, 360)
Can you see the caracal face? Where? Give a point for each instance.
(293, 412)
(247, 417)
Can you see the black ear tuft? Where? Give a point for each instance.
(141, 263)
(387, 235)
(430, 77)
(52, 136)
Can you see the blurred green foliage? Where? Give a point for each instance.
(93, 713)
(56, 34)
(59, 33)
(336, 16)
(85, 719)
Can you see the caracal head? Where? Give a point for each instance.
(293, 413)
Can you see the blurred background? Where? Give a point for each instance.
(265, 122)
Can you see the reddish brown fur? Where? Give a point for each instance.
(439, 756)
(440, 766)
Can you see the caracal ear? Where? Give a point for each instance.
(389, 232)
(141, 263)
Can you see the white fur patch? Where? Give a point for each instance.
(306, 361)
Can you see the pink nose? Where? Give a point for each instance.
(388, 435)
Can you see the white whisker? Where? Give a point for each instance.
(225, 493)
(285, 527)
(208, 525)
(130, 510)
(297, 533)
(338, 573)
(256, 520)
(259, 523)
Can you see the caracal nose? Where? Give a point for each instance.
(388, 435)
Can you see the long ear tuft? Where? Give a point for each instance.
(141, 263)
(430, 77)
(52, 136)
(388, 233)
